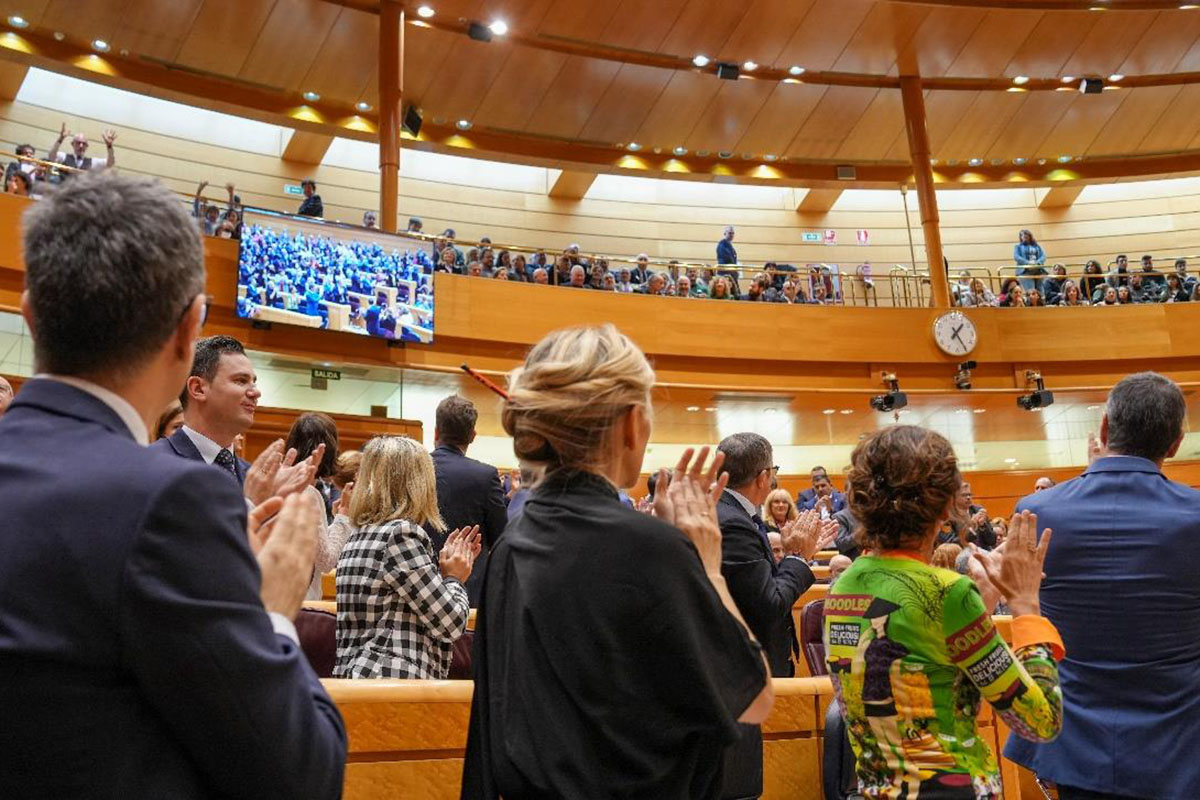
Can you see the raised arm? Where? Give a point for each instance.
(110, 136)
(63, 133)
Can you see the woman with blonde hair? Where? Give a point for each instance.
(779, 509)
(610, 659)
(400, 606)
(912, 647)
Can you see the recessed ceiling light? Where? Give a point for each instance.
(962, 411)
(749, 66)
(952, 162)
(680, 151)
(1041, 161)
(710, 408)
(1097, 8)
(100, 44)
(1067, 79)
(847, 411)
(1116, 76)
(1188, 7)
(829, 411)
(311, 97)
(59, 36)
(693, 408)
(18, 21)
(975, 162)
(1010, 461)
(425, 12)
(633, 147)
(768, 410)
(933, 162)
(1021, 80)
(979, 410)
(1064, 159)
(997, 162)
(1018, 161)
(124, 51)
(724, 154)
(363, 105)
(463, 124)
(770, 157)
(795, 70)
(704, 153)
(498, 27)
(1094, 408)
(700, 60)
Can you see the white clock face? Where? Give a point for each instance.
(955, 333)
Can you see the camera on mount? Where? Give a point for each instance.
(894, 399)
(1040, 398)
(962, 378)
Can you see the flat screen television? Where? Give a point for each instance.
(300, 271)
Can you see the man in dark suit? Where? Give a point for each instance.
(1121, 588)
(468, 491)
(145, 650)
(312, 205)
(810, 495)
(219, 400)
(763, 590)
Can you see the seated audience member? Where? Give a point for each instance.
(370, 220)
(540, 277)
(578, 279)
(519, 271)
(1108, 296)
(579, 410)
(1196, 293)
(312, 433)
(1006, 287)
(791, 293)
(656, 285)
(1071, 295)
(1176, 290)
(970, 523)
(1092, 284)
(825, 499)
(24, 163)
(610, 283)
(960, 287)
(446, 261)
(208, 215)
(1189, 281)
(837, 565)
(18, 183)
(1124, 295)
(415, 225)
(1043, 483)
(78, 158)
(312, 205)
(809, 495)
(1034, 299)
(756, 291)
(1118, 276)
(1145, 291)
(1121, 586)
(468, 491)
(897, 631)
(6, 395)
(820, 295)
(596, 275)
(778, 509)
(475, 269)
(625, 283)
(501, 274)
(641, 272)
(170, 421)
(978, 295)
(719, 289)
(1150, 274)
(776, 541)
(149, 651)
(945, 555)
(1052, 287)
(219, 400)
(1014, 297)
(401, 603)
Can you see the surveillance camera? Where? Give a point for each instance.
(962, 380)
(1034, 400)
(889, 402)
(967, 365)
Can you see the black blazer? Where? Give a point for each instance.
(469, 493)
(181, 444)
(135, 651)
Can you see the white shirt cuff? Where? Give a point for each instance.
(284, 626)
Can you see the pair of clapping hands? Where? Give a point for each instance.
(1013, 571)
(687, 498)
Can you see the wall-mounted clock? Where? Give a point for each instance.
(955, 334)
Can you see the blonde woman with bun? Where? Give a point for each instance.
(400, 604)
(912, 648)
(610, 659)
(779, 509)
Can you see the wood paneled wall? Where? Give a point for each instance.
(670, 219)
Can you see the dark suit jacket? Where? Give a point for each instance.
(312, 207)
(469, 494)
(181, 444)
(136, 659)
(764, 593)
(1121, 588)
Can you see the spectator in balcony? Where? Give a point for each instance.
(1092, 285)
(562, 271)
(756, 292)
(24, 163)
(209, 215)
(1108, 297)
(1043, 483)
(726, 254)
(1028, 255)
(312, 205)
(475, 269)
(1176, 291)
(578, 277)
(596, 275)
(504, 259)
(1006, 289)
(960, 287)
(500, 274)
(446, 262)
(790, 294)
(1034, 299)
(1071, 295)
(625, 283)
(640, 275)
(683, 287)
(1124, 295)
(977, 295)
(1052, 287)
(1119, 275)
(820, 295)
(540, 276)
(1014, 297)
(610, 282)
(720, 288)
(226, 229)
(656, 285)
(233, 218)
(78, 158)
(1189, 281)
(370, 220)
(1154, 277)
(415, 225)
(488, 259)
(1143, 290)
(18, 183)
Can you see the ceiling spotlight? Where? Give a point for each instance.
(894, 399)
(749, 66)
(710, 408)
(463, 124)
(1067, 79)
(1116, 76)
(425, 12)
(829, 411)
(724, 154)
(933, 162)
(100, 44)
(18, 22)
(1188, 7)
(1018, 161)
(59, 36)
(680, 151)
(795, 70)
(1010, 461)
(975, 162)
(1064, 159)
(311, 97)
(768, 410)
(700, 60)
(498, 27)
(633, 147)
(979, 410)
(1021, 80)
(693, 408)
(847, 411)
(363, 105)
(1039, 398)
(770, 157)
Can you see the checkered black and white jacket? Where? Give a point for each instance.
(397, 617)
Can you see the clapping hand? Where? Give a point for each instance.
(286, 551)
(991, 595)
(808, 533)
(342, 504)
(459, 552)
(1015, 570)
(694, 507)
(711, 481)
(275, 474)
(293, 477)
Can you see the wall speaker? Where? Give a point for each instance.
(1091, 86)
(846, 172)
(411, 121)
(727, 71)
(479, 32)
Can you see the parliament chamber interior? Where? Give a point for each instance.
(413, 224)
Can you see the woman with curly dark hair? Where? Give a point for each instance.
(911, 647)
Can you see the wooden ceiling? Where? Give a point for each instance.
(532, 92)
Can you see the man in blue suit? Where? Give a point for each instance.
(1121, 587)
(219, 401)
(146, 642)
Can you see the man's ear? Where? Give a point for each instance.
(27, 312)
(1104, 431)
(196, 388)
(188, 330)
(1175, 447)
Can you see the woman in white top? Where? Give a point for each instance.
(308, 433)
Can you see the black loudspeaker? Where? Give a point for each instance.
(1091, 86)
(727, 72)
(412, 120)
(479, 32)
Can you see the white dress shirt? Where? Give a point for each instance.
(207, 447)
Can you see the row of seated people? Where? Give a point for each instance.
(1093, 287)
(665, 627)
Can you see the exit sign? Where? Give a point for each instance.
(810, 237)
(327, 374)
(290, 188)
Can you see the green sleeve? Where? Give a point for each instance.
(1022, 688)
